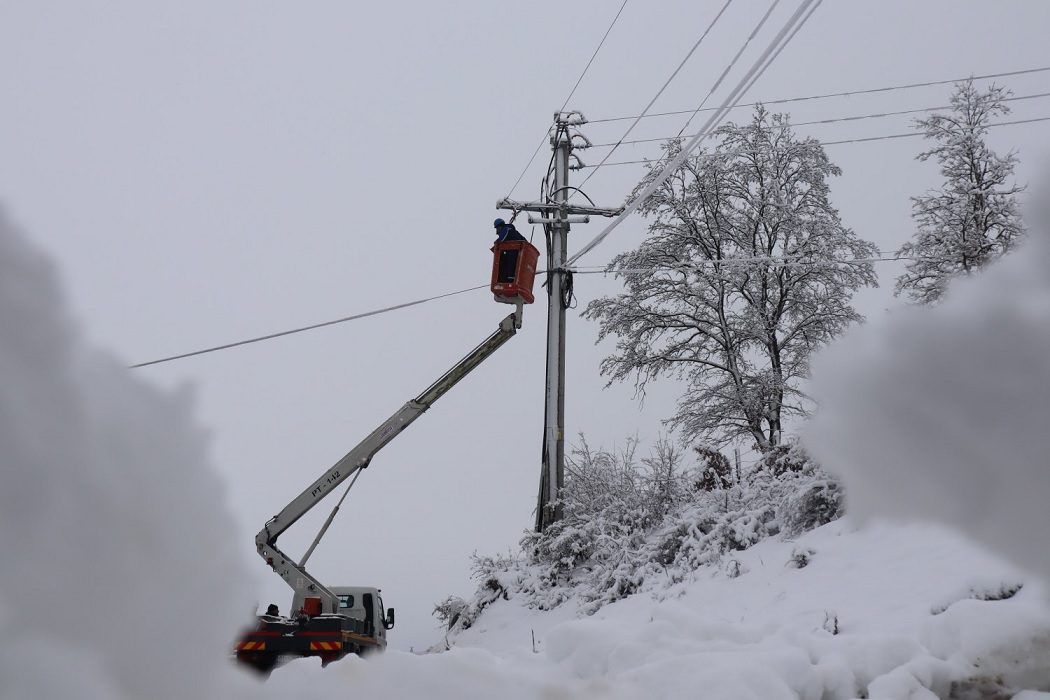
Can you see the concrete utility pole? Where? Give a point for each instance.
(556, 215)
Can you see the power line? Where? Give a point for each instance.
(671, 78)
(564, 104)
(829, 95)
(729, 67)
(528, 165)
(743, 261)
(593, 55)
(911, 135)
(762, 258)
(857, 140)
(859, 117)
(583, 270)
(783, 46)
(301, 329)
(757, 69)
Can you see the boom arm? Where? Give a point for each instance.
(294, 574)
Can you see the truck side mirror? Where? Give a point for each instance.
(388, 623)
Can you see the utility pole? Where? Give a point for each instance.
(556, 214)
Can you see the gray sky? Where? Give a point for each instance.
(206, 171)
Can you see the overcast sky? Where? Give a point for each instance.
(207, 171)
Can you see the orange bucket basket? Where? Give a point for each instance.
(514, 271)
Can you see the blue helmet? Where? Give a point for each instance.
(498, 222)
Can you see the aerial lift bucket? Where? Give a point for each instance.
(514, 271)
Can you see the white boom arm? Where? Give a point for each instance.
(294, 574)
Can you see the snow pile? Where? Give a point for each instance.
(119, 576)
(944, 412)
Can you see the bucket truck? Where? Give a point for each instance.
(332, 621)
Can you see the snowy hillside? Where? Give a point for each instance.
(883, 612)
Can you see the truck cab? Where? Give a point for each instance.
(358, 603)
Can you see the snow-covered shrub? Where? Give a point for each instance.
(988, 590)
(715, 470)
(633, 525)
(733, 568)
(496, 576)
(813, 505)
(609, 502)
(981, 688)
(788, 457)
(449, 610)
(831, 622)
(800, 558)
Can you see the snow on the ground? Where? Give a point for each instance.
(121, 580)
(944, 413)
(769, 633)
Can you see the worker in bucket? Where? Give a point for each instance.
(506, 232)
(272, 610)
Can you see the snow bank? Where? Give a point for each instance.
(945, 412)
(119, 577)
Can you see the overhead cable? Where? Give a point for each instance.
(585, 270)
(914, 134)
(741, 262)
(858, 117)
(600, 268)
(729, 67)
(829, 95)
(783, 45)
(593, 55)
(667, 82)
(301, 329)
(564, 104)
(760, 65)
(840, 142)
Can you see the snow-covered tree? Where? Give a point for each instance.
(737, 282)
(973, 218)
